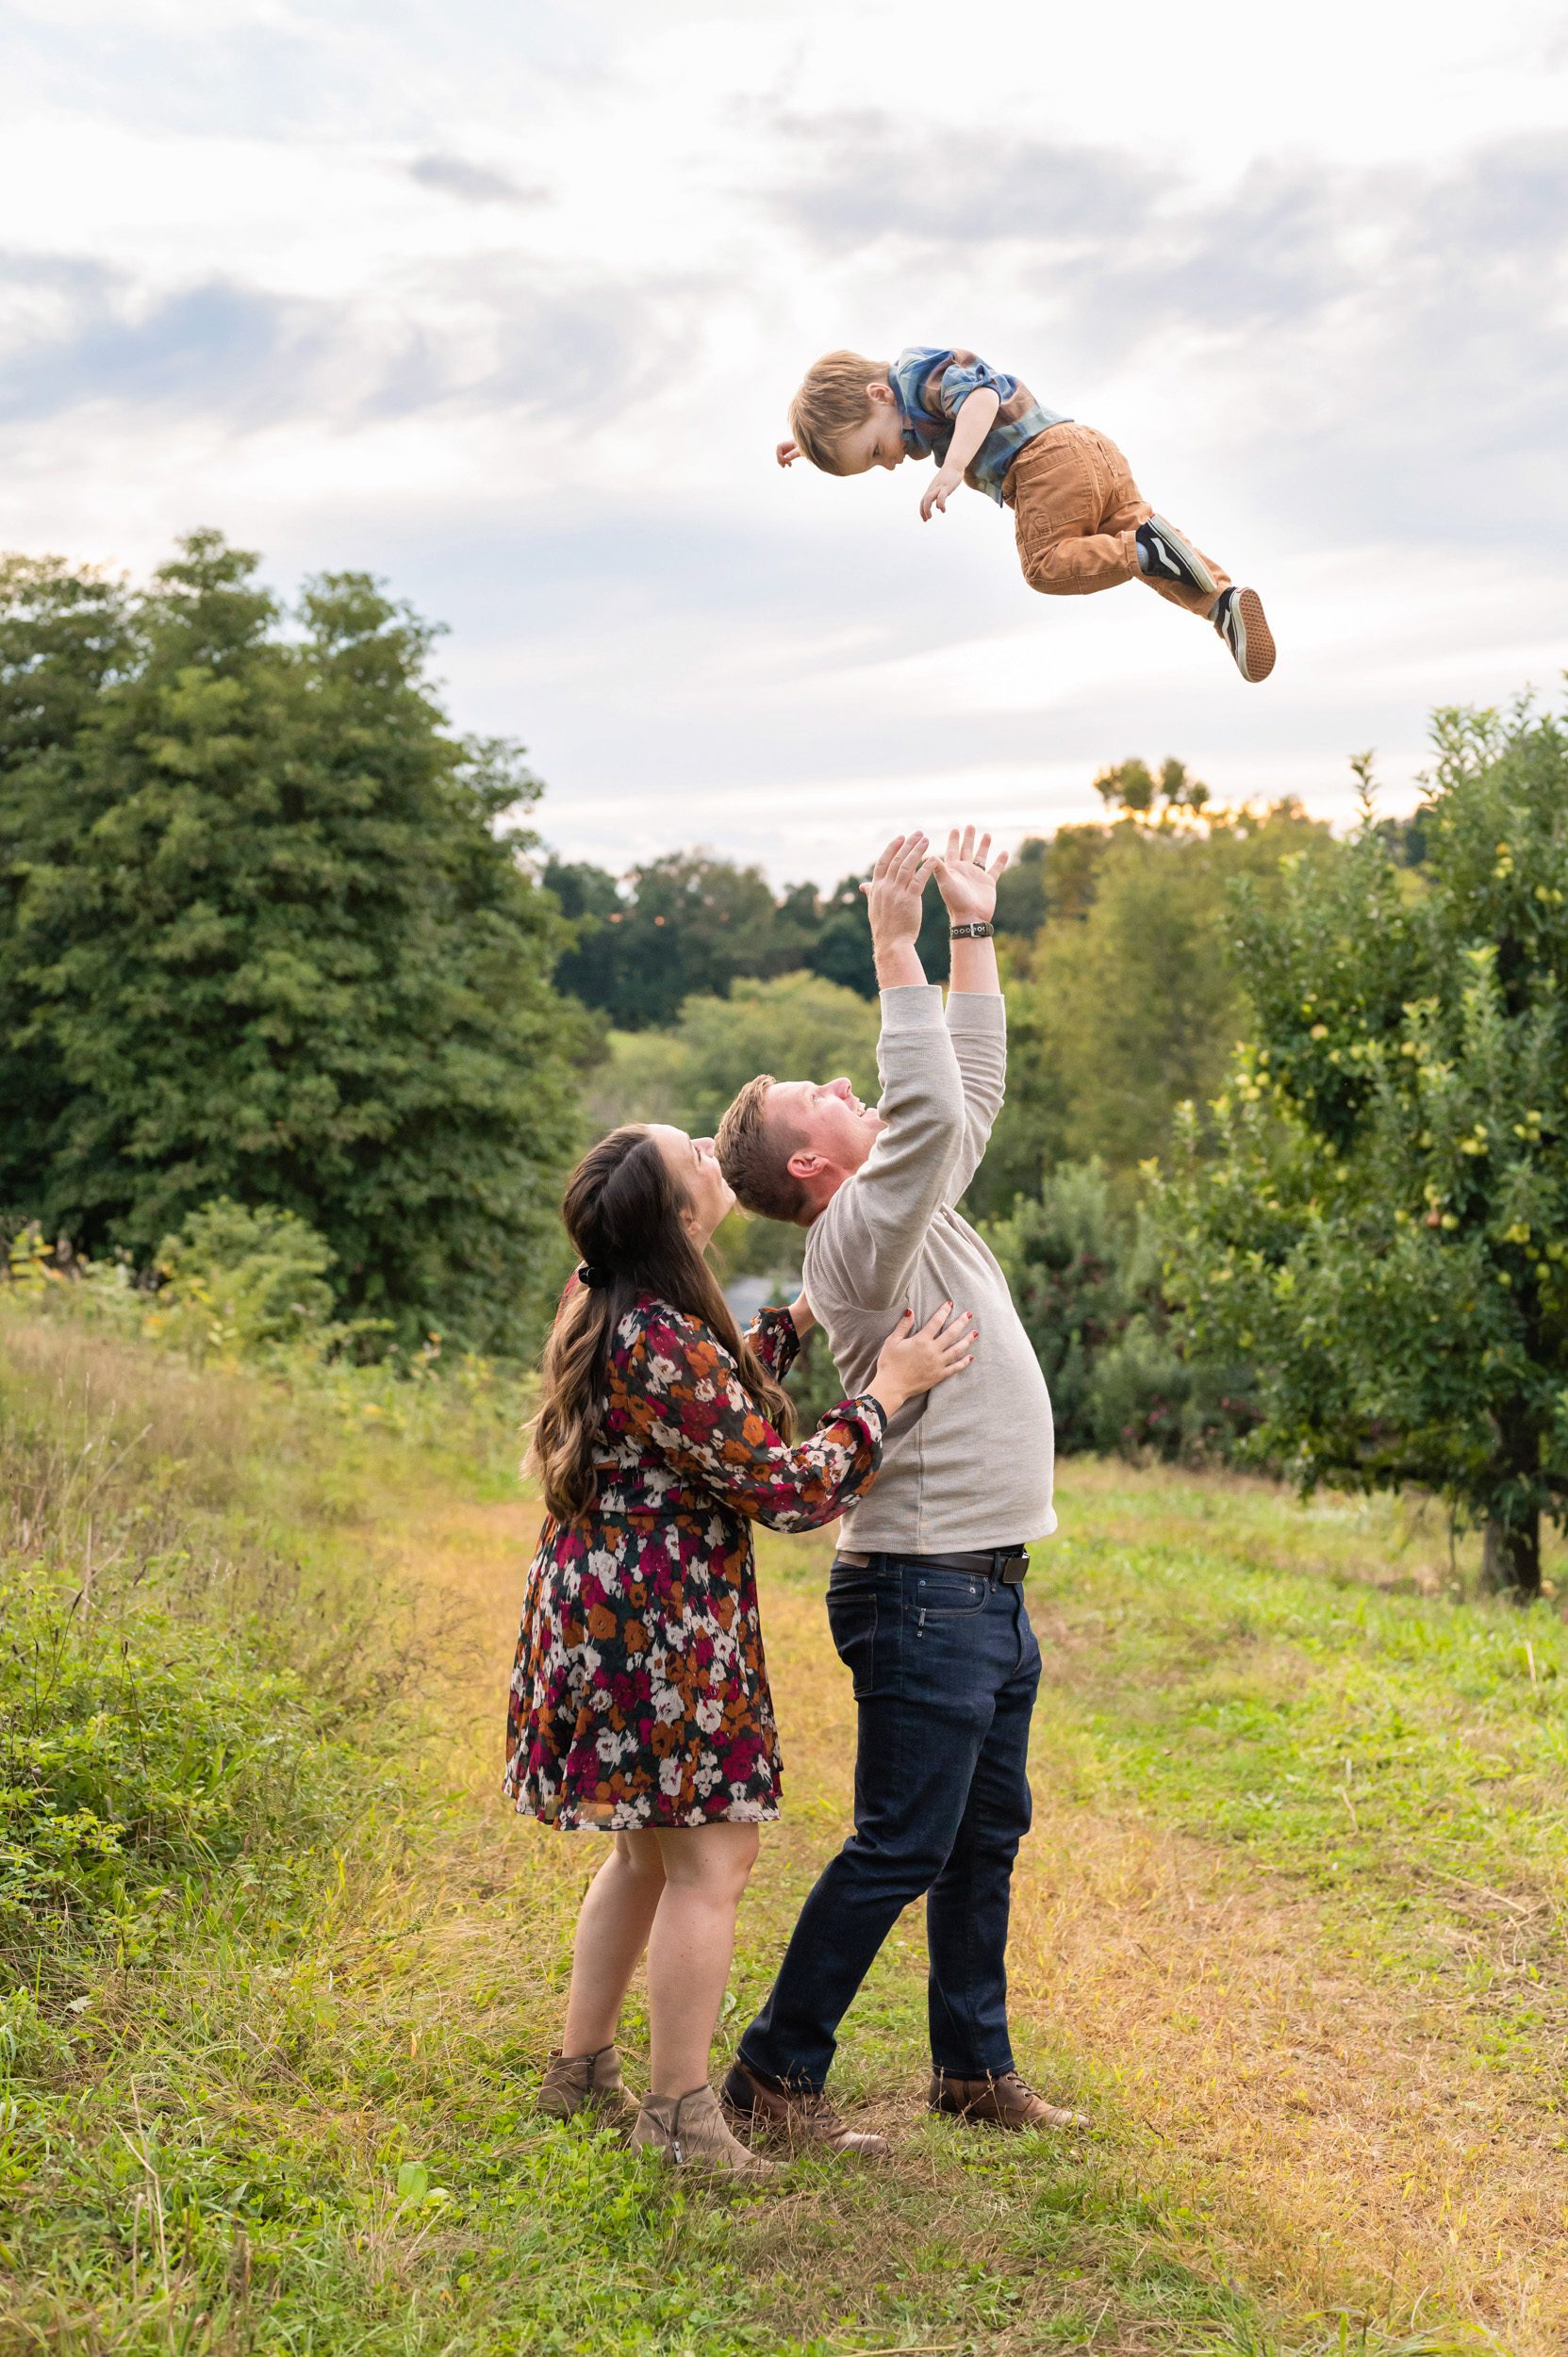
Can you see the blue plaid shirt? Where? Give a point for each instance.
(932, 386)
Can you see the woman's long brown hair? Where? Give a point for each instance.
(622, 1211)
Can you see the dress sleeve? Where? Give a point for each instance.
(773, 1336)
(684, 1399)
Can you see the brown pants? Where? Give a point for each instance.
(1077, 507)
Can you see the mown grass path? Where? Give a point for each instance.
(1290, 1920)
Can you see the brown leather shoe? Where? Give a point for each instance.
(1004, 2102)
(799, 2117)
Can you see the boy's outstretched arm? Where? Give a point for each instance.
(971, 427)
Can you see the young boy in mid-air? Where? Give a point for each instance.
(1083, 523)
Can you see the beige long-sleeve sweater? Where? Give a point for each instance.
(970, 1464)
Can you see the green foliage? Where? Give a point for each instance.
(1084, 1273)
(691, 924)
(246, 1279)
(797, 1026)
(173, 1692)
(265, 934)
(841, 952)
(243, 1290)
(1132, 785)
(687, 922)
(1381, 1222)
(1022, 898)
(139, 1749)
(1129, 1003)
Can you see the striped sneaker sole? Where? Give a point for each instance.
(1184, 553)
(1249, 636)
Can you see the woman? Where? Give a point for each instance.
(639, 1703)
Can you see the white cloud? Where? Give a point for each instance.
(508, 305)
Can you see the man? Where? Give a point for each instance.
(926, 1596)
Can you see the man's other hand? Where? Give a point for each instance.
(895, 892)
(967, 877)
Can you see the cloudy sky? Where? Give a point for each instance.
(505, 302)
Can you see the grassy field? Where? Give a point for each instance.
(1288, 1928)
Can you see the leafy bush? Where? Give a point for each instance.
(245, 1288)
(178, 1695)
(139, 1749)
(1375, 1206)
(240, 1279)
(1085, 1276)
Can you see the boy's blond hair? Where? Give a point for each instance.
(831, 402)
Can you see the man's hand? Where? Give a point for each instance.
(897, 889)
(939, 491)
(788, 452)
(966, 882)
(895, 895)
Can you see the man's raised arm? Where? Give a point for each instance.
(893, 1198)
(977, 1018)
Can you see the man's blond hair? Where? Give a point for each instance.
(753, 1154)
(831, 402)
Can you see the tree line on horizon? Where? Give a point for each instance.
(1282, 1166)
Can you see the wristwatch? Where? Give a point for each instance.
(970, 933)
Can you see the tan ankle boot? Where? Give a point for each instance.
(586, 2083)
(689, 2130)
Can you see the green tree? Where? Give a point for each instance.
(795, 1025)
(1133, 1005)
(1383, 1225)
(1084, 1272)
(1132, 785)
(684, 925)
(1021, 890)
(843, 950)
(590, 900)
(265, 934)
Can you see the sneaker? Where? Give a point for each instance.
(999, 2100)
(1240, 621)
(799, 2117)
(1164, 556)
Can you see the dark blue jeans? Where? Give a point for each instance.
(946, 1668)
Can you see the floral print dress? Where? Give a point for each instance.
(640, 1693)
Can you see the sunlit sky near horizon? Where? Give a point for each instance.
(507, 305)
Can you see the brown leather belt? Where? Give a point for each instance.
(1006, 1566)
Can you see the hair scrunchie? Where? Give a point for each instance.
(590, 1275)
